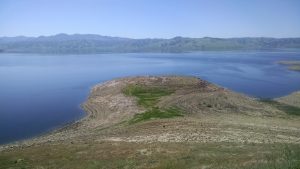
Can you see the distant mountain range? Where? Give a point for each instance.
(89, 43)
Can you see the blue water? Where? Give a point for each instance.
(41, 92)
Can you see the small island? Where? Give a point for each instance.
(167, 122)
(292, 65)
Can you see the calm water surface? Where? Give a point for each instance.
(41, 92)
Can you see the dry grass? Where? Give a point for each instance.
(97, 155)
(219, 129)
(293, 99)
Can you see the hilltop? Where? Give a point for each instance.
(90, 43)
(166, 122)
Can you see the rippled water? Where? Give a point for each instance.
(41, 92)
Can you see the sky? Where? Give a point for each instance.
(152, 18)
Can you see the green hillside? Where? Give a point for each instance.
(88, 43)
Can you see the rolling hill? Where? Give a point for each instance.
(89, 43)
(167, 122)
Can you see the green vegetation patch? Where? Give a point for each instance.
(288, 109)
(292, 65)
(148, 97)
(156, 113)
(295, 67)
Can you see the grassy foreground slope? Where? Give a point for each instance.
(166, 122)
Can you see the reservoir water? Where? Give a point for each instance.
(41, 92)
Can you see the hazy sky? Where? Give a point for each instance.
(151, 18)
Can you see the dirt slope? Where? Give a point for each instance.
(209, 114)
(292, 99)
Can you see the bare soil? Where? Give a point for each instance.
(212, 115)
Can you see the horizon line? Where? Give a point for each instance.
(112, 36)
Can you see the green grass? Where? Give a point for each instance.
(156, 113)
(248, 156)
(163, 155)
(148, 97)
(291, 110)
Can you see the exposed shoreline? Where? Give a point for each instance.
(92, 118)
(292, 65)
(176, 119)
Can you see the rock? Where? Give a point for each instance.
(19, 160)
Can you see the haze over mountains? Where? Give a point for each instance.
(90, 43)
